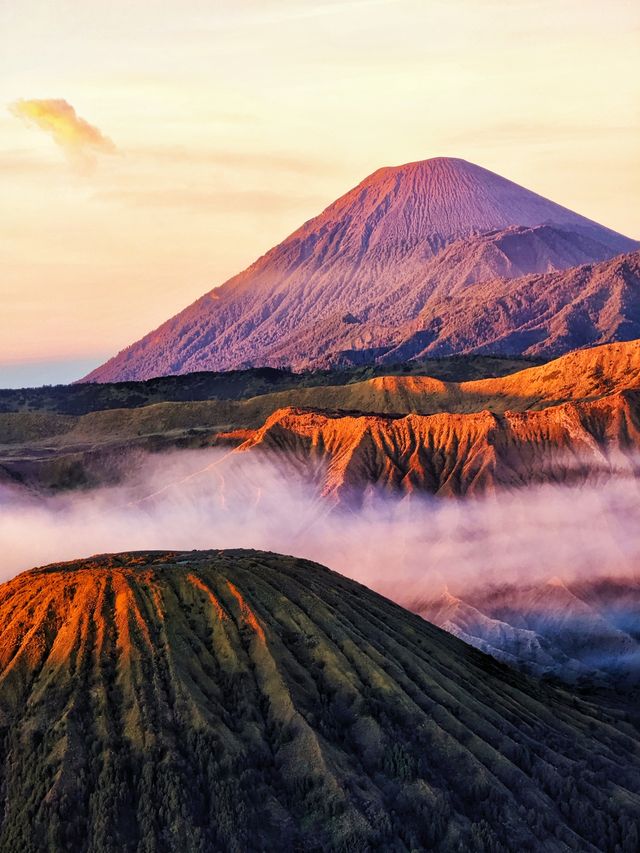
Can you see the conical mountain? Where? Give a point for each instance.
(241, 701)
(343, 284)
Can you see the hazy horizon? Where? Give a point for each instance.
(38, 372)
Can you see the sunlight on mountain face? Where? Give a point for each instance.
(404, 244)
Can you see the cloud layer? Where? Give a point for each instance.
(405, 549)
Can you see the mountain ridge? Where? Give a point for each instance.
(505, 415)
(580, 630)
(344, 454)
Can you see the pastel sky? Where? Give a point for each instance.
(216, 127)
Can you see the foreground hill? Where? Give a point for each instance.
(246, 701)
(376, 270)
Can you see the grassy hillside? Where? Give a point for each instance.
(247, 701)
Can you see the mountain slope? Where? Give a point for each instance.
(245, 701)
(515, 645)
(372, 260)
(534, 315)
(49, 450)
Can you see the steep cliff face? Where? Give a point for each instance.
(453, 454)
(374, 261)
(246, 701)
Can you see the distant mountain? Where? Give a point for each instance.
(242, 701)
(376, 269)
(577, 631)
(515, 645)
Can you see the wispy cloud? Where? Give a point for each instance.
(333, 7)
(408, 550)
(508, 133)
(20, 163)
(79, 140)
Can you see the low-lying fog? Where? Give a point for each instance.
(402, 548)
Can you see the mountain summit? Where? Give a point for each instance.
(356, 281)
(435, 202)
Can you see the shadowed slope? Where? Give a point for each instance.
(246, 701)
(348, 281)
(81, 398)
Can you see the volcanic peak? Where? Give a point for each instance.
(442, 199)
(396, 254)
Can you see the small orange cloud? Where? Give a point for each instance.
(79, 139)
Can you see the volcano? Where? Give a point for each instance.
(379, 267)
(242, 701)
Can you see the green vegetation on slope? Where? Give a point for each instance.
(246, 701)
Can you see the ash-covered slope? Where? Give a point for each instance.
(371, 262)
(245, 701)
(535, 315)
